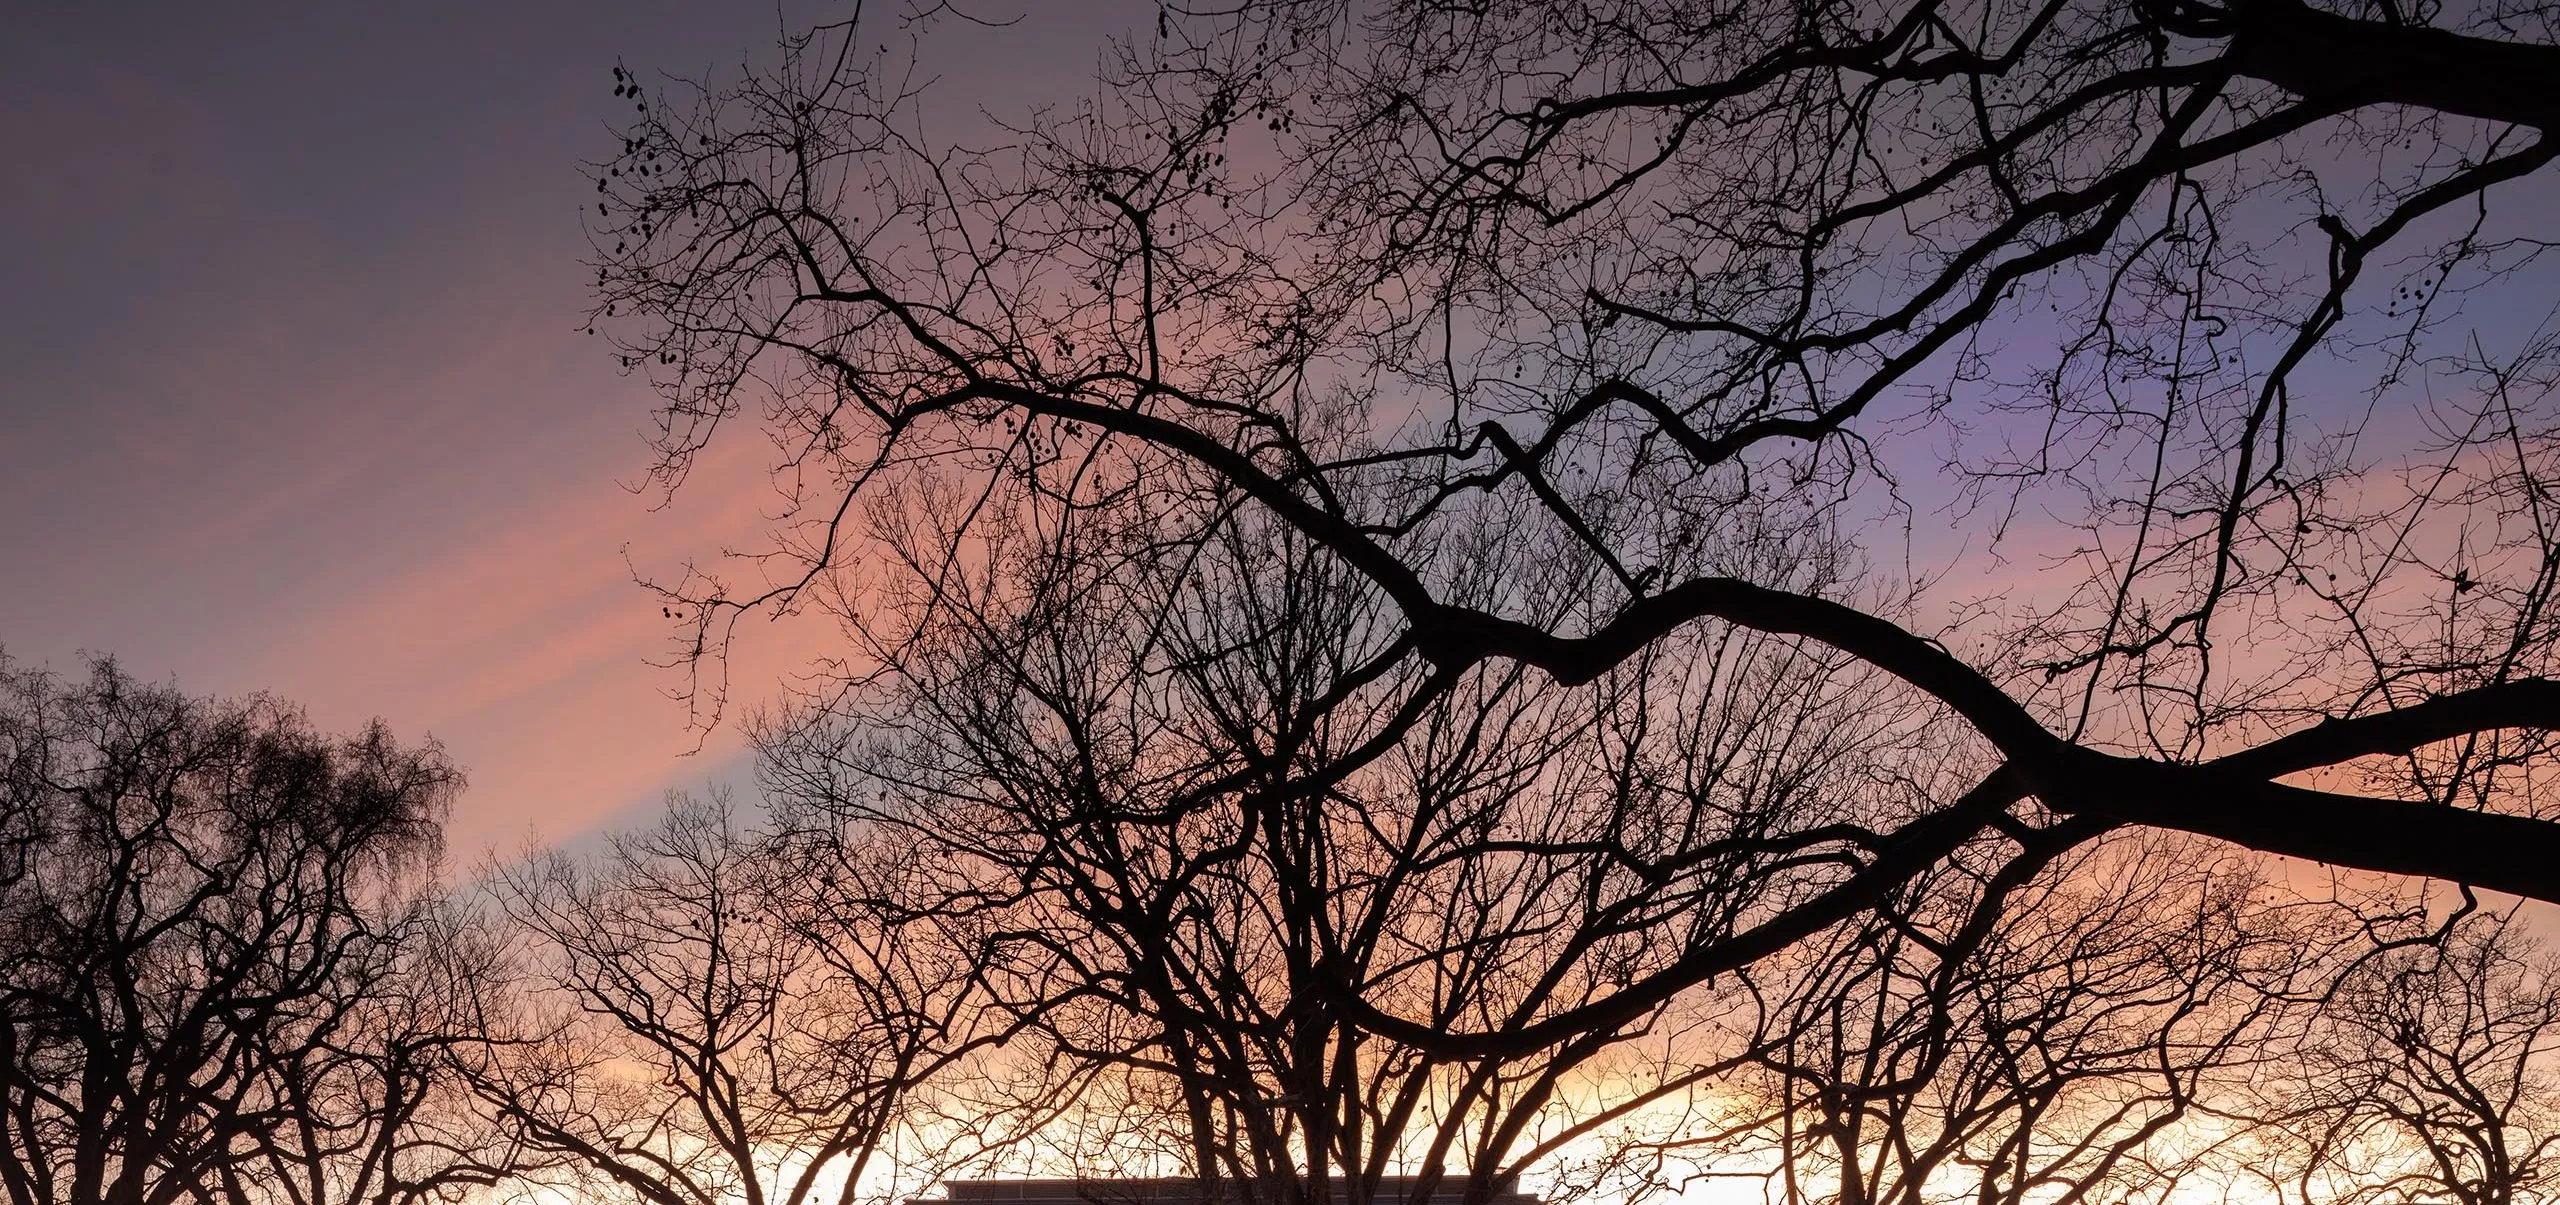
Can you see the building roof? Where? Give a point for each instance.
(1184, 1190)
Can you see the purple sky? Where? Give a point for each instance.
(294, 399)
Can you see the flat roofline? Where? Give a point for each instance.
(1186, 1190)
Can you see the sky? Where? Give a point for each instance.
(295, 400)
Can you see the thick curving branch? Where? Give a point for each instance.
(2342, 62)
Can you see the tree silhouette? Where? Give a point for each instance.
(2097, 1042)
(705, 1014)
(2429, 1076)
(1140, 782)
(224, 973)
(1191, 832)
(1574, 331)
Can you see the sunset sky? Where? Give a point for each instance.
(1640, 602)
(295, 399)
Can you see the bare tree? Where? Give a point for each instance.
(707, 1016)
(1214, 819)
(222, 964)
(381, 1112)
(1693, 298)
(2096, 1040)
(2430, 1077)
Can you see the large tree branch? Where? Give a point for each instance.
(2514, 854)
(2530, 703)
(2343, 62)
(2229, 800)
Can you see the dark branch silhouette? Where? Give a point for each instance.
(1572, 335)
(225, 974)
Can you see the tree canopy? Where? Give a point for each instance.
(227, 974)
(2155, 394)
